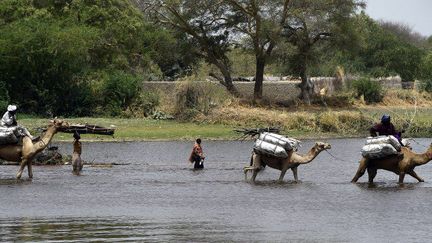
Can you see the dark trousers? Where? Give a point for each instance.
(199, 164)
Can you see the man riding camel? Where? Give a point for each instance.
(9, 120)
(385, 128)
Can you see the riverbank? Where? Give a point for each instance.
(220, 123)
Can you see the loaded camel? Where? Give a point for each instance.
(26, 151)
(291, 162)
(400, 165)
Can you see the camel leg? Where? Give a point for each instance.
(294, 170)
(247, 168)
(255, 166)
(255, 172)
(283, 171)
(361, 170)
(30, 168)
(401, 177)
(413, 174)
(372, 173)
(21, 169)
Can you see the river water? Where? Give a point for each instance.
(158, 197)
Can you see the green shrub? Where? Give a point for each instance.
(371, 91)
(145, 104)
(119, 92)
(426, 73)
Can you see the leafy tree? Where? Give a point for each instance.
(51, 51)
(405, 33)
(207, 26)
(311, 22)
(261, 23)
(426, 73)
(385, 54)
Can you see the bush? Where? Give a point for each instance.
(193, 98)
(343, 122)
(145, 104)
(426, 73)
(119, 92)
(371, 91)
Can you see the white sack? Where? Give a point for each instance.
(385, 140)
(377, 151)
(7, 135)
(287, 143)
(266, 148)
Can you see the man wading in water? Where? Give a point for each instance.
(197, 155)
(77, 163)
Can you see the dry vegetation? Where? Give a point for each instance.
(410, 110)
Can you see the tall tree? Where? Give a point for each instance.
(311, 22)
(384, 53)
(262, 23)
(56, 55)
(405, 33)
(207, 25)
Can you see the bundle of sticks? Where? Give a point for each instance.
(88, 129)
(252, 132)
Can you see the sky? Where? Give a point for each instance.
(415, 13)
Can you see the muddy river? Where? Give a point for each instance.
(158, 197)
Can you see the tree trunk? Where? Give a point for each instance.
(259, 77)
(228, 83)
(306, 87)
(227, 79)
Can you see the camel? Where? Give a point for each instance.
(399, 164)
(26, 151)
(291, 162)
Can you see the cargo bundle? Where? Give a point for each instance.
(275, 145)
(8, 135)
(381, 147)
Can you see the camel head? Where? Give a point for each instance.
(320, 146)
(58, 124)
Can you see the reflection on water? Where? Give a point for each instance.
(158, 197)
(108, 229)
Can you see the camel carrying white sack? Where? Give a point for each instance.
(380, 147)
(269, 149)
(287, 143)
